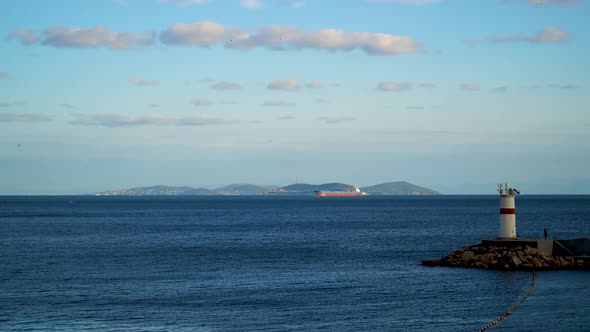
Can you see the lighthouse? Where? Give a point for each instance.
(507, 212)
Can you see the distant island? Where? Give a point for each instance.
(389, 188)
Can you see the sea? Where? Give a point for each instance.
(266, 263)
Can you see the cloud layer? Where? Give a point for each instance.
(285, 85)
(278, 103)
(550, 2)
(62, 36)
(201, 102)
(391, 86)
(23, 117)
(26, 37)
(470, 87)
(411, 2)
(336, 119)
(114, 120)
(547, 35)
(142, 82)
(206, 34)
(251, 4)
(222, 86)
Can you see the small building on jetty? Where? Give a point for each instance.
(509, 252)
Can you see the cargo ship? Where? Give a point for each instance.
(357, 192)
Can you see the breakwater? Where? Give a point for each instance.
(524, 255)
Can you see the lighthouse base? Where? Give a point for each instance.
(544, 246)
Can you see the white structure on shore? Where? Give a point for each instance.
(507, 212)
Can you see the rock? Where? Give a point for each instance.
(516, 262)
(467, 255)
(531, 251)
(431, 262)
(537, 263)
(555, 264)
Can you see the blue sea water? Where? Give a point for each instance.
(82, 263)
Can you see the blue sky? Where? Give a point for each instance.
(455, 95)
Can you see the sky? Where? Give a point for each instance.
(454, 95)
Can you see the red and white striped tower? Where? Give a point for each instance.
(507, 212)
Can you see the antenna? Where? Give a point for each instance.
(501, 188)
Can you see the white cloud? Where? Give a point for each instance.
(278, 103)
(286, 85)
(202, 121)
(201, 34)
(142, 82)
(283, 37)
(186, 2)
(563, 86)
(8, 104)
(550, 2)
(225, 86)
(469, 87)
(315, 84)
(23, 117)
(297, 4)
(251, 4)
(410, 2)
(287, 117)
(201, 102)
(394, 86)
(547, 35)
(62, 36)
(336, 119)
(427, 85)
(322, 101)
(114, 120)
(26, 37)
(206, 33)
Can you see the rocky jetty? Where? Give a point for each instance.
(524, 258)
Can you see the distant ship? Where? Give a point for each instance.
(357, 192)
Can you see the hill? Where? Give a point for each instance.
(390, 188)
(309, 189)
(243, 189)
(398, 188)
(158, 190)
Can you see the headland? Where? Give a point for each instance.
(520, 255)
(509, 252)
